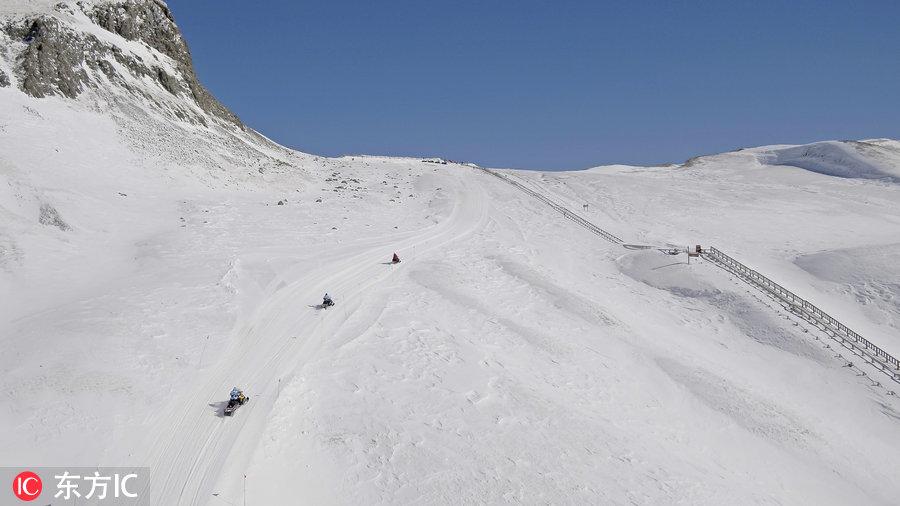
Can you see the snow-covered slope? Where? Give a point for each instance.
(770, 215)
(155, 252)
(876, 159)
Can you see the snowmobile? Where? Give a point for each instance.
(396, 259)
(327, 301)
(237, 400)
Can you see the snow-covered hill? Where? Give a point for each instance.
(155, 252)
(874, 159)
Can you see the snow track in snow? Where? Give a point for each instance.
(190, 446)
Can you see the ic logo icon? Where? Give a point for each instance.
(27, 486)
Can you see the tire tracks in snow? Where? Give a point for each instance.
(188, 448)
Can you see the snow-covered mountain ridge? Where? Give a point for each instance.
(131, 46)
(868, 159)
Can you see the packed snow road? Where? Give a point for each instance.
(190, 443)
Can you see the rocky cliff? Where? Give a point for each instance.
(130, 48)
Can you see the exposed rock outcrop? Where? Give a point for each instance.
(58, 59)
(52, 62)
(50, 216)
(151, 22)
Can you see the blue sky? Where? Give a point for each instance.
(550, 84)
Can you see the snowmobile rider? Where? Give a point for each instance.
(396, 259)
(237, 395)
(326, 300)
